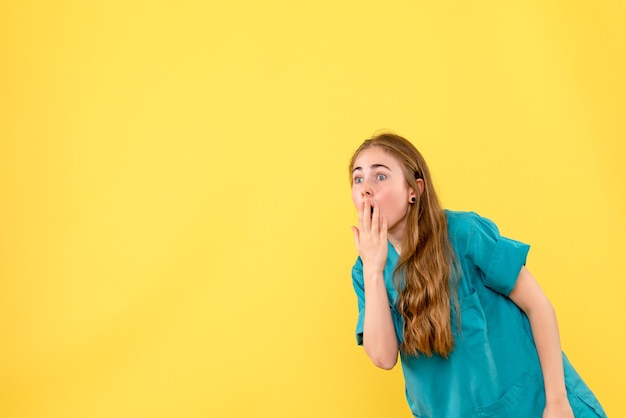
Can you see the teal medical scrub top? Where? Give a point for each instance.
(494, 369)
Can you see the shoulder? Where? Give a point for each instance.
(461, 223)
(465, 229)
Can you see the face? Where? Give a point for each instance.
(378, 177)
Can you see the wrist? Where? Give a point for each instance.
(558, 407)
(557, 397)
(373, 274)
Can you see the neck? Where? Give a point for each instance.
(396, 235)
(396, 241)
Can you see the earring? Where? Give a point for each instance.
(413, 199)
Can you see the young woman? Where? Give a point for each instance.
(476, 334)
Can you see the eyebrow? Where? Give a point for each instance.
(373, 166)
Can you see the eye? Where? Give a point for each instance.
(381, 177)
(358, 180)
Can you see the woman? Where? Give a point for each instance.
(476, 334)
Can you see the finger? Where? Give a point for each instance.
(383, 228)
(367, 220)
(359, 212)
(376, 219)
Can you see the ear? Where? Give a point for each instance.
(420, 185)
(413, 193)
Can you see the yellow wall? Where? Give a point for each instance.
(175, 208)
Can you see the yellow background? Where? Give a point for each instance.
(175, 207)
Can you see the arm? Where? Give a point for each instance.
(379, 336)
(532, 300)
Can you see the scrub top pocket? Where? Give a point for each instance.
(522, 400)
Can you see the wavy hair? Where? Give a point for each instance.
(427, 266)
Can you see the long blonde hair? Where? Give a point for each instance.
(427, 264)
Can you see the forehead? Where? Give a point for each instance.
(375, 155)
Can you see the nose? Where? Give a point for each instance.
(366, 191)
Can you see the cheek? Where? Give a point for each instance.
(356, 198)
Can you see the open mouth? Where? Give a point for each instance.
(372, 212)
